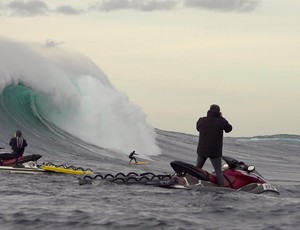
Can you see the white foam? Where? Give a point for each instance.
(75, 95)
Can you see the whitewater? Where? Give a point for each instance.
(70, 113)
(67, 90)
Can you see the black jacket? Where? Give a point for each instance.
(211, 134)
(15, 148)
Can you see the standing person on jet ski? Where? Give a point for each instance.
(210, 142)
(18, 144)
(131, 156)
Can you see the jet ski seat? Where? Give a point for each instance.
(181, 168)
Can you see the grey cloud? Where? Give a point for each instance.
(140, 5)
(29, 8)
(108, 5)
(50, 43)
(153, 5)
(35, 7)
(65, 9)
(223, 5)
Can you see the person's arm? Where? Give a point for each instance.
(198, 124)
(226, 126)
(11, 142)
(24, 143)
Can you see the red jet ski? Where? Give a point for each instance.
(238, 177)
(10, 163)
(10, 159)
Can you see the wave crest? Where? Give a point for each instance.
(72, 93)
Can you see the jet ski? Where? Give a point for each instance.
(9, 159)
(23, 164)
(238, 177)
(27, 164)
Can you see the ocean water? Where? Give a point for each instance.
(69, 115)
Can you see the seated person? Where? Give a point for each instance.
(18, 144)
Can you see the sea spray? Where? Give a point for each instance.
(72, 93)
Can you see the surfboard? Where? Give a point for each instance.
(64, 170)
(140, 163)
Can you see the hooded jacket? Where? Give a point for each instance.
(18, 145)
(211, 130)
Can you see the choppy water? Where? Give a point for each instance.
(59, 202)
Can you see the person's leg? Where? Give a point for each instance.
(200, 161)
(135, 160)
(217, 164)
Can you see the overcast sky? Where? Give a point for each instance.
(174, 58)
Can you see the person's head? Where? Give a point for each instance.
(18, 133)
(214, 111)
(215, 108)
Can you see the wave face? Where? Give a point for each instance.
(50, 91)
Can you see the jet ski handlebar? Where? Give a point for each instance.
(233, 163)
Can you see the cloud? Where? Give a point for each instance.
(35, 8)
(65, 9)
(139, 5)
(30, 8)
(50, 43)
(108, 5)
(223, 5)
(153, 5)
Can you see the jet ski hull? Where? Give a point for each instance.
(210, 187)
(236, 174)
(21, 170)
(28, 165)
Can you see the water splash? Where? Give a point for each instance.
(72, 93)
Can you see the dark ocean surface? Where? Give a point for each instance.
(59, 202)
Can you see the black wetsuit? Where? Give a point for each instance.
(131, 156)
(18, 145)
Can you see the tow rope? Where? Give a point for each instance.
(147, 178)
